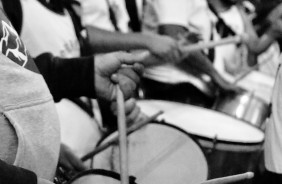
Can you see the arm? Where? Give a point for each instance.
(197, 59)
(67, 77)
(101, 41)
(257, 44)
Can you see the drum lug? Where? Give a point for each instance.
(214, 143)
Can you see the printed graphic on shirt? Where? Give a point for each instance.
(12, 46)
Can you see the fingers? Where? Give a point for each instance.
(132, 116)
(132, 111)
(132, 58)
(69, 160)
(128, 78)
(127, 85)
(76, 162)
(128, 105)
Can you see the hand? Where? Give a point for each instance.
(186, 39)
(109, 72)
(132, 111)
(69, 160)
(164, 47)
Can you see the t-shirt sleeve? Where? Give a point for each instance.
(67, 78)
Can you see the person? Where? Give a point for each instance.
(231, 19)
(94, 39)
(29, 123)
(273, 139)
(65, 41)
(174, 19)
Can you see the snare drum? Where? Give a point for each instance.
(231, 146)
(98, 176)
(158, 154)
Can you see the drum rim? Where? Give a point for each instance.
(101, 172)
(182, 131)
(213, 110)
(196, 136)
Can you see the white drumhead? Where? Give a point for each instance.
(159, 154)
(203, 122)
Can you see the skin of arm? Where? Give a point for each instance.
(163, 47)
(257, 44)
(196, 59)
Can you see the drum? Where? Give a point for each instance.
(231, 146)
(173, 84)
(97, 176)
(78, 130)
(245, 106)
(258, 83)
(159, 153)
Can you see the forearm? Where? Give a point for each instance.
(101, 41)
(67, 78)
(262, 44)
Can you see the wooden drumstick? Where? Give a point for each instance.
(230, 179)
(123, 154)
(114, 136)
(208, 45)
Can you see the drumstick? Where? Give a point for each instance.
(149, 59)
(208, 45)
(114, 136)
(123, 154)
(230, 179)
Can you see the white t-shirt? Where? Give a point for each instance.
(192, 14)
(273, 134)
(96, 13)
(229, 58)
(46, 31)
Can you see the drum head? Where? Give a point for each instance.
(158, 154)
(204, 122)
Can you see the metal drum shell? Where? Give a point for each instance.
(244, 106)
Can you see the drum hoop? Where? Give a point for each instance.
(230, 147)
(195, 136)
(101, 172)
(229, 142)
